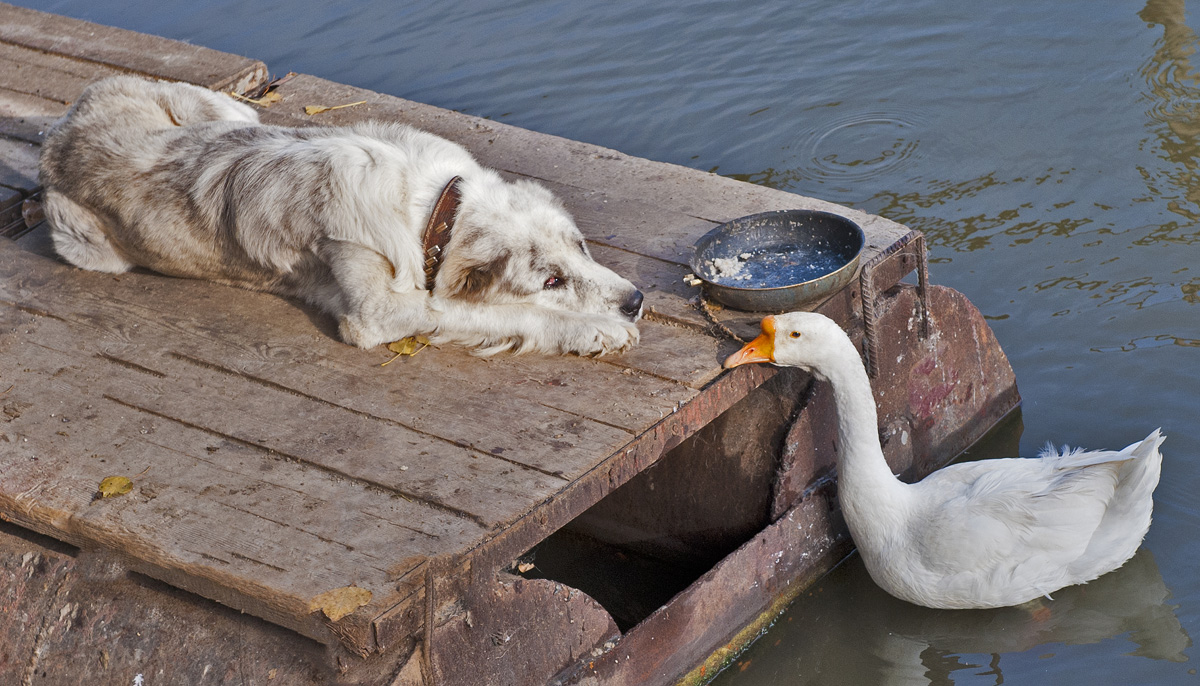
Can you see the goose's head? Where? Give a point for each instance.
(807, 340)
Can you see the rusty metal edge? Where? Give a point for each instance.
(724, 655)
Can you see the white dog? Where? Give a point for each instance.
(393, 231)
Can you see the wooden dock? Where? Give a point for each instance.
(373, 525)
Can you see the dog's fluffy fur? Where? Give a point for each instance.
(187, 182)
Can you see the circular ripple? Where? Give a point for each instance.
(860, 146)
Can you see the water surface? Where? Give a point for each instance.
(1049, 150)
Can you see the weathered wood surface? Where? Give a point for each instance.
(74, 617)
(271, 463)
(124, 51)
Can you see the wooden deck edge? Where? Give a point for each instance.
(211, 588)
(128, 51)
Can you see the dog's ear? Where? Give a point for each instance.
(469, 280)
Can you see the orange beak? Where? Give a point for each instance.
(761, 349)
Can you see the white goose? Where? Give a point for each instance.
(977, 534)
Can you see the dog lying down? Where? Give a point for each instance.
(393, 231)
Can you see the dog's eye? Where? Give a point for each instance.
(795, 334)
(554, 282)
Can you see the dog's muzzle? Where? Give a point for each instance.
(632, 307)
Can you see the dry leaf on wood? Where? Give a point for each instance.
(266, 100)
(406, 346)
(340, 601)
(317, 109)
(114, 485)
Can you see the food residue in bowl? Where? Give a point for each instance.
(731, 268)
(775, 267)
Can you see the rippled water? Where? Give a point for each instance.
(1049, 150)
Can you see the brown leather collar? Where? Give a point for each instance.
(437, 231)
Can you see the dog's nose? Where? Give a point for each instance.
(632, 305)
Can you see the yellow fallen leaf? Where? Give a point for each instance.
(406, 346)
(115, 485)
(340, 601)
(268, 99)
(317, 109)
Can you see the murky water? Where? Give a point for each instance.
(1049, 150)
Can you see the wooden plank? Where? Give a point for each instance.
(133, 318)
(128, 51)
(263, 566)
(47, 76)
(18, 164)
(668, 298)
(26, 117)
(142, 381)
(272, 533)
(477, 428)
(325, 438)
(568, 384)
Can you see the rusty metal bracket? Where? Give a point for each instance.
(881, 273)
(20, 213)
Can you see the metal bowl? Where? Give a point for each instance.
(777, 261)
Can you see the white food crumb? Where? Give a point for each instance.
(729, 268)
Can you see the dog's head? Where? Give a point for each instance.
(514, 243)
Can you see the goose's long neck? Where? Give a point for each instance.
(870, 494)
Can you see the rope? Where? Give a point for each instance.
(706, 309)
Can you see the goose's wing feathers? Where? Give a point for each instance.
(1015, 516)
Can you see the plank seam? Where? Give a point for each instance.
(386, 420)
(131, 365)
(33, 310)
(217, 465)
(365, 483)
(592, 419)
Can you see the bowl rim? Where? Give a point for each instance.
(711, 234)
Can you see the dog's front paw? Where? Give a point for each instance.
(355, 332)
(604, 337)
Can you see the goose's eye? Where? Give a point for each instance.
(554, 282)
(795, 334)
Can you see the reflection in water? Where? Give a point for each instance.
(880, 640)
(1175, 117)
(1151, 342)
(867, 154)
(969, 233)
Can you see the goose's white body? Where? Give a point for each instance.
(977, 534)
